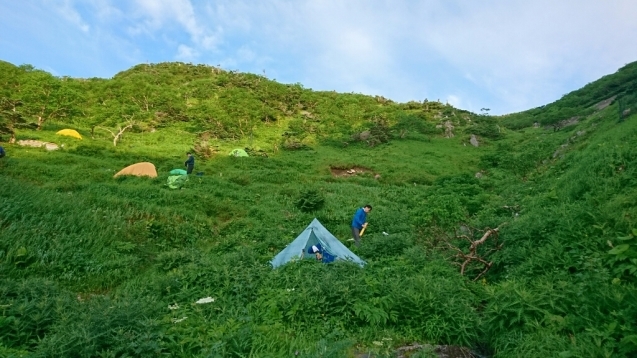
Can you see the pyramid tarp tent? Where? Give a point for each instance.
(239, 153)
(139, 169)
(69, 133)
(315, 234)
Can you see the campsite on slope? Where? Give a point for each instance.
(110, 247)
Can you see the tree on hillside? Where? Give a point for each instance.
(46, 97)
(10, 117)
(9, 79)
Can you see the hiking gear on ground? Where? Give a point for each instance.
(176, 181)
(239, 153)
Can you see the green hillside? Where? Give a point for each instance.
(97, 266)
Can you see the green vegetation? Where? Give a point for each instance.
(620, 86)
(96, 266)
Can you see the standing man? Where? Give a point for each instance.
(189, 163)
(359, 222)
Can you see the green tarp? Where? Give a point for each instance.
(178, 172)
(176, 181)
(238, 153)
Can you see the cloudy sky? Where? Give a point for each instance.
(506, 55)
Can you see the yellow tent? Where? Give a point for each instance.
(139, 169)
(70, 132)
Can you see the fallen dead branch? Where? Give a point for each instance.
(473, 256)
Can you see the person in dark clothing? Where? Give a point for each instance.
(2, 152)
(189, 163)
(359, 222)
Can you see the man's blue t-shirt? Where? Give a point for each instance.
(359, 218)
(2, 153)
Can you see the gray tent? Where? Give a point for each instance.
(315, 234)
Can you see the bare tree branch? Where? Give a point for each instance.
(473, 256)
(120, 130)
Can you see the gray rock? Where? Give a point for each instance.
(38, 144)
(307, 114)
(474, 141)
(560, 150)
(605, 103)
(564, 123)
(449, 130)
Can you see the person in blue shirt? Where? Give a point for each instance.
(359, 222)
(2, 152)
(189, 163)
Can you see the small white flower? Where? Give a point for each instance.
(289, 289)
(205, 300)
(173, 307)
(177, 320)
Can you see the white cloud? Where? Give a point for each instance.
(186, 54)
(507, 55)
(158, 14)
(245, 54)
(522, 52)
(454, 101)
(66, 10)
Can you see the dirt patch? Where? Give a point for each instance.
(350, 172)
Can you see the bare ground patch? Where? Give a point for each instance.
(340, 172)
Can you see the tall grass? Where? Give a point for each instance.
(93, 266)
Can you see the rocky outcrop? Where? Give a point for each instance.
(38, 144)
(449, 130)
(605, 103)
(565, 123)
(626, 112)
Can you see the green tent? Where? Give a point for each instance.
(239, 153)
(176, 181)
(315, 235)
(178, 172)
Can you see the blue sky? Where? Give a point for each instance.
(506, 55)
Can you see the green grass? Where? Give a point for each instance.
(92, 265)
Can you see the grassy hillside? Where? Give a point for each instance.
(96, 266)
(619, 88)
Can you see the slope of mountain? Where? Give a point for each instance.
(92, 265)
